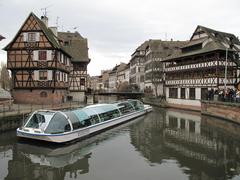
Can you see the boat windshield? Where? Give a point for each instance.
(138, 105)
(58, 124)
(39, 120)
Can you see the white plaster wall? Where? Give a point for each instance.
(184, 102)
(198, 93)
(78, 96)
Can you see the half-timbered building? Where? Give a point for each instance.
(156, 50)
(137, 67)
(39, 65)
(77, 47)
(209, 61)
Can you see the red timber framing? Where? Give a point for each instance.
(26, 63)
(202, 70)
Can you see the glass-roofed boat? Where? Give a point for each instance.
(64, 126)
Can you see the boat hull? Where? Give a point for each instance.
(83, 132)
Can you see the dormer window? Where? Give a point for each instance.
(66, 43)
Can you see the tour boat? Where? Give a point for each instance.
(69, 125)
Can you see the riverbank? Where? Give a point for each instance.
(223, 110)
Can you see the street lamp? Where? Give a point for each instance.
(225, 77)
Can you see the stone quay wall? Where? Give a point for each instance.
(224, 110)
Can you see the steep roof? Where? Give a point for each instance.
(1, 37)
(47, 32)
(76, 46)
(212, 40)
(166, 48)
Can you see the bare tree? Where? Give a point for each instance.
(156, 74)
(5, 78)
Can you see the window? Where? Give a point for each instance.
(82, 82)
(182, 123)
(31, 37)
(142, 78)
(191, 126)
(66, 43)
(43, 94)
(204, 93)
(42, 75)
(42, 55)
(192, 93)
(173, 122)
(173, 93)
(183, 96)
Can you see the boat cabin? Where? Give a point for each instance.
(58, 122)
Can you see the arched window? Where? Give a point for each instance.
(43, 94)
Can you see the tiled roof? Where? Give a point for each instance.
(215, 40)
(48, 33)
(77, 46)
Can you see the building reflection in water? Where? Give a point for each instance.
(204, 147)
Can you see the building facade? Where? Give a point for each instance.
(137, 67)
(40, 67)
(156, 50)
(77, 47)
(201, 65)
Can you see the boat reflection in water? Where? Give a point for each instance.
(34, 162)
(204, 147)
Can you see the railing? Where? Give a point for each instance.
(231, 96)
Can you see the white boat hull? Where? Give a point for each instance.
(83, 132)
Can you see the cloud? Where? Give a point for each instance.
(114, 28)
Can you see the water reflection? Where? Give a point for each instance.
(204, 147)
(200, 147)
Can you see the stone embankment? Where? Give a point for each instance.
(224, 110)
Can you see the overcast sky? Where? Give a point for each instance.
(114, 28)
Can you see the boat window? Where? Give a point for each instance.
(125, 108)
(58, 124)
(36, 121)
(39, 120)
(94, 119)
(76, 124)
(109, 115)
(138, 105)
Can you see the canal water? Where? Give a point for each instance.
(165, 144)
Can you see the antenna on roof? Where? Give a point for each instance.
(57, 21)
(45, 10)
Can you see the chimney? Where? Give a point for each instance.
(54, 30)
(45, 20)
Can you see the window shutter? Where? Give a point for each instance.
(50, 75)
(37, 36)
(36, 75)
(35, 55)
(60, 76)
(49, 55)
(62, 58)
(24, 37)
